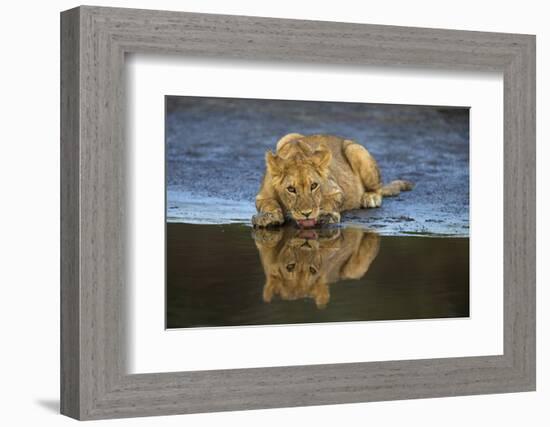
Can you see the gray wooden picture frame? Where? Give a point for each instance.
(94, 381)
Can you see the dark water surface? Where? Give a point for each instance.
(228, 275)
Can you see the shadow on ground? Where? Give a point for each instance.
(51, 405)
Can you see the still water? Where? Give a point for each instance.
(229, 275)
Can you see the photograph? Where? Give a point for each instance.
(298, 212)
(316, 212)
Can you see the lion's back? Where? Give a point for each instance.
(309, 144)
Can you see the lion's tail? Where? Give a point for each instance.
(396, 187)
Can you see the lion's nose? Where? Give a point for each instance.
(306, 213)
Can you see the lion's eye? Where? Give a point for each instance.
(312, 270)
(290, 267)
(291, 189)
(314, 186)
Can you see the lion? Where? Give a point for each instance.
(312, 179)
(302, 263)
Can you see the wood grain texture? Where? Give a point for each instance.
(70, 259)
(95, 276)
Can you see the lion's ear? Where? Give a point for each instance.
(322, 295)
(269, 288)
(273, 164)
(322, 158)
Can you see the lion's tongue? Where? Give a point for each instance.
(304, 223)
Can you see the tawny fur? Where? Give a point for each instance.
(298, 265)
(316, 178)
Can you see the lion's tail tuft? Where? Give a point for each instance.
(396, 187)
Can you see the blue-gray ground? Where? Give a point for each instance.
(215, 151)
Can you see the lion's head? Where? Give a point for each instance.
(297, 270)
(299, 173)
(303, 263)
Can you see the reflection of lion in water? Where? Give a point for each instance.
(303, 263)
(311, 179)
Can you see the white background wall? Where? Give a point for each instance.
(29, 212)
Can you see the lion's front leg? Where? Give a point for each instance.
(330, 208)
(326, 218)
(267, 237)
(269, 213)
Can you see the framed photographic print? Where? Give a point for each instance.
(262, 213)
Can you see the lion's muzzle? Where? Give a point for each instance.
(306, 223)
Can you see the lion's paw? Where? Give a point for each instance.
(267, 219)
(267, 237)
(329, 218)
(371, 200)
